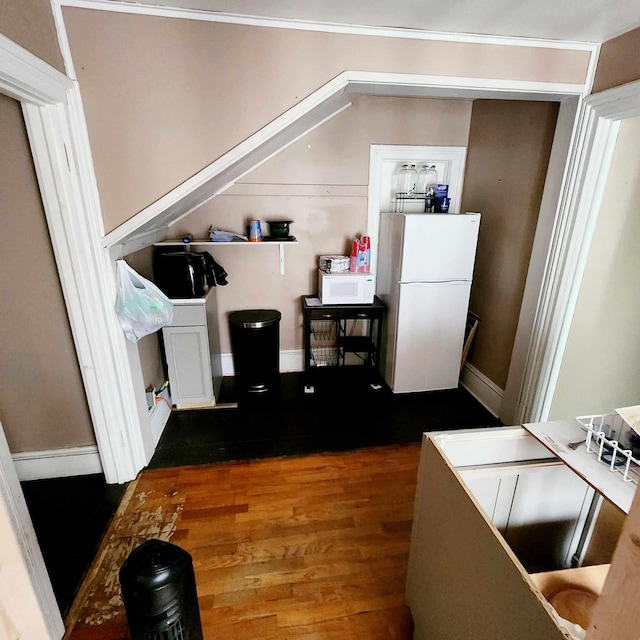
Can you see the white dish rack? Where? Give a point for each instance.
(606, 438)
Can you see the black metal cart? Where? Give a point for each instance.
(342, 335)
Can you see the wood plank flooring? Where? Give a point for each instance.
(299, 548)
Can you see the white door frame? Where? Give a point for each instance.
(55, 125)
(581, 197)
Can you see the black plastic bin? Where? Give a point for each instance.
(159, 593)
(255, 343)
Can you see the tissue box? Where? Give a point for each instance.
(334, 264)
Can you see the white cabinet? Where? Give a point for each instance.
(192, 351)
(539, 509)
(498, 518)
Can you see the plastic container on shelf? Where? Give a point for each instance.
(255, 232)
(407, 179)
(427, 179)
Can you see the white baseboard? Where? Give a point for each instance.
(80, 461)
(57, 463)
(482, 389)
(291, 360)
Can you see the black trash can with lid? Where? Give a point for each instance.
(255, 343)
(159, 593)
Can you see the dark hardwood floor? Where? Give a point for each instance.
(343, 414)
(71, 515)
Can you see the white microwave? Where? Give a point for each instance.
(346, 287)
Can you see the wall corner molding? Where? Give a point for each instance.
(24, 76)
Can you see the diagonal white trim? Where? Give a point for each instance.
(24, 76)
(214, 179)
(327, 27)
(310, 113)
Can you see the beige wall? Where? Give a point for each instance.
(601, 366)
(165, 97)
(30, 24)
(42, 400)
(619, 61)
(509, 147)
(320, 182)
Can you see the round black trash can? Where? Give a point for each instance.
(159, 593)
(255, 343)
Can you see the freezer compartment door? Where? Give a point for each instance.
(430, 335)
(439, 247)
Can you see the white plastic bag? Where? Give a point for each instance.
(141, 307)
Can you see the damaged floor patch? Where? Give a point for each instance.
(143, 515)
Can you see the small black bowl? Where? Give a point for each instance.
(279, 228)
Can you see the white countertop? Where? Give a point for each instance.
(557, 435)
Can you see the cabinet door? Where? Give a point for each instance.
(187, 353)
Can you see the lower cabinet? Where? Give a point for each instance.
(538, 508)
(192, 352)
(500, 529)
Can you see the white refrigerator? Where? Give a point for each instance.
(425, 268)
